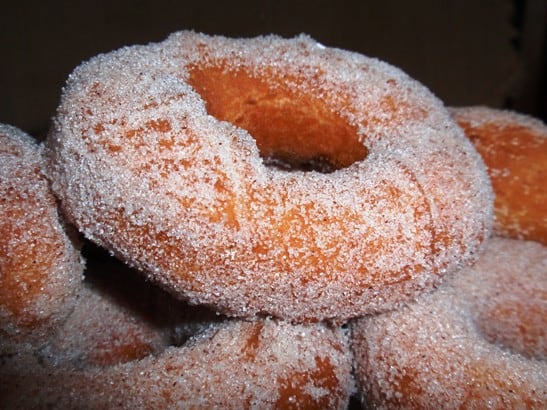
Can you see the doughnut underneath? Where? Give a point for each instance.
(40, 269)
(268, 175)
(232, 365)
(119, 317)
(477, 342)
(103, 331)
(514, 148)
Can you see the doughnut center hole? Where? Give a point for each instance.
(516, 324)
(293, 130)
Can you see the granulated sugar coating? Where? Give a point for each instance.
(268, 175)
(514, 148)
(478, 342)
(40, 269)
(232, 365)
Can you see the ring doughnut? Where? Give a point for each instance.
(514, 148)
(479, 341)
(268, 176)
(231, 365)
(40, 268)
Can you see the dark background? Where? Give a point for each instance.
(467, 52)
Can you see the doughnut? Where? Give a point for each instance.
(115, 350)
(89, 339)
(268, 176)
(40, 266)
(261, 363)
(514, 148)
(479, 341)
(104, 329)
(119, 318)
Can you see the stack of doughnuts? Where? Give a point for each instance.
(479, 341)
(267, 209)
(112, 342)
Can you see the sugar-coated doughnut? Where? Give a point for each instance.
(268, 175)
(115, 350)
(514, 148)
(103, 331)
(40, 268)
(119, 318)
(479, 341)
(232, 365)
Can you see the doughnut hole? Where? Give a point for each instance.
(508, 305)
(293, 129)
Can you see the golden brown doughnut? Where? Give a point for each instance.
(174, 156)
(478, 342)
(40, 268)
(231, 365)
(514, 148)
